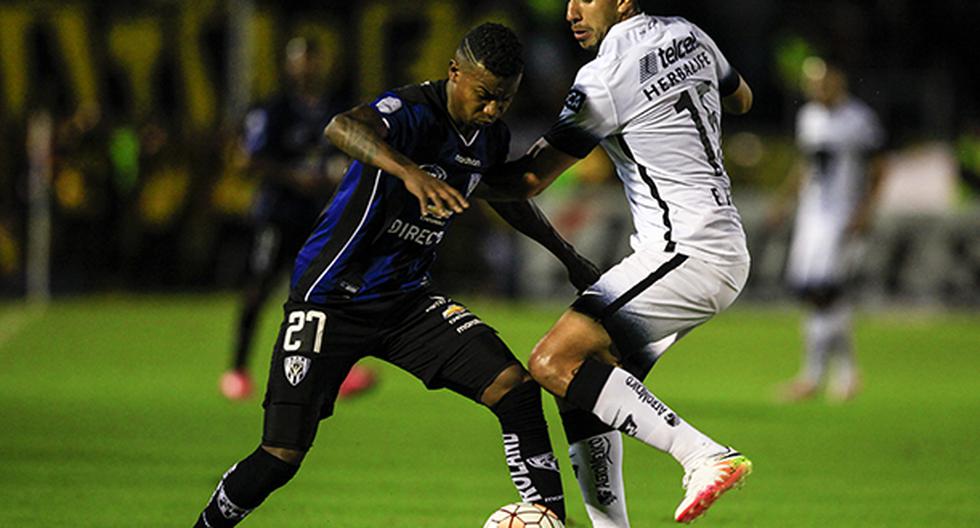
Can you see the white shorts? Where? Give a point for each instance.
(650, 296)
(814, 254)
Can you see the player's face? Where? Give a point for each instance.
(827, 89)
(476, 96)
(591, 19)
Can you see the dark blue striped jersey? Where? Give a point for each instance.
(371, 241)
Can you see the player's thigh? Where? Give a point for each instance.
(314, 351)
(650, 296)
(445, 345)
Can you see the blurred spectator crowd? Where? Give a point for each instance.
(148, 182)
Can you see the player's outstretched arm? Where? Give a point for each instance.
(360, 133)
(739, 101)
(528, 175)
(527, 218)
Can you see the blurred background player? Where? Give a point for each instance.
(837, 180)
(298, 172)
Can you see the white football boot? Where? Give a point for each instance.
(709, 480)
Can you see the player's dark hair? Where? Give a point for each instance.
(494, 46)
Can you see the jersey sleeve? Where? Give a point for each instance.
(728, 78)
(588, 116)
(401, 118)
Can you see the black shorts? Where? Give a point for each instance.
(424, 333)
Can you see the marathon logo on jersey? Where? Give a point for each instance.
(575, 100)
(415, 234)
(296, 368)
(389, 105)
(646, 397)
(546, 462)
(599, 460)
(518, 469)
(468, 161)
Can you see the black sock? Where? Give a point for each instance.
(584, 389)
(244, 487)
(527, 447)
(579, 425)
(246, 330)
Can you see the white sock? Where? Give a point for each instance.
(842, 347)
(819, 334)
(598, 465)
(626, 404)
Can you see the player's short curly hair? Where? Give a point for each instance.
(494, 46)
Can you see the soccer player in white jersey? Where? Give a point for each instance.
(837, 181)
(653, 98)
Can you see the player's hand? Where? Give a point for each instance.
(435, 196)
(582, 273)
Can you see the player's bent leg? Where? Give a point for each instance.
(246, 484)
(527, 446)
(562, 351)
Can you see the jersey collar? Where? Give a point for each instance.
(621, 29)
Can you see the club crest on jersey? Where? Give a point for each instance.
(389, 105)
(436, 171)
(296, 368)
(575, 100)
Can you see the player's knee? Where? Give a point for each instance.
(546, 361)
(511, 378)
(289, 456)
(520, 406)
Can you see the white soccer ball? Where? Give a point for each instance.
(521, 515)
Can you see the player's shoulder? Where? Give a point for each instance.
(859, 108)
(422, 99)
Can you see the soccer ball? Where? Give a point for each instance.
(521, 515)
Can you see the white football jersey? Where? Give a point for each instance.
(836, 143)
(652, 98)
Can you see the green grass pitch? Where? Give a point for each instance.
(110, 417)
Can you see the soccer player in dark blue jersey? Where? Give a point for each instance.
(361, 284)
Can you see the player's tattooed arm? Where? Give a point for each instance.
(526, 218)
(360, 133)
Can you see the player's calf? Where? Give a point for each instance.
(245, 486)
(527, 447)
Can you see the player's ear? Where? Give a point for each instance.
(453, 69)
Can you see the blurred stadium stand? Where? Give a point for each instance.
(146, 190)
